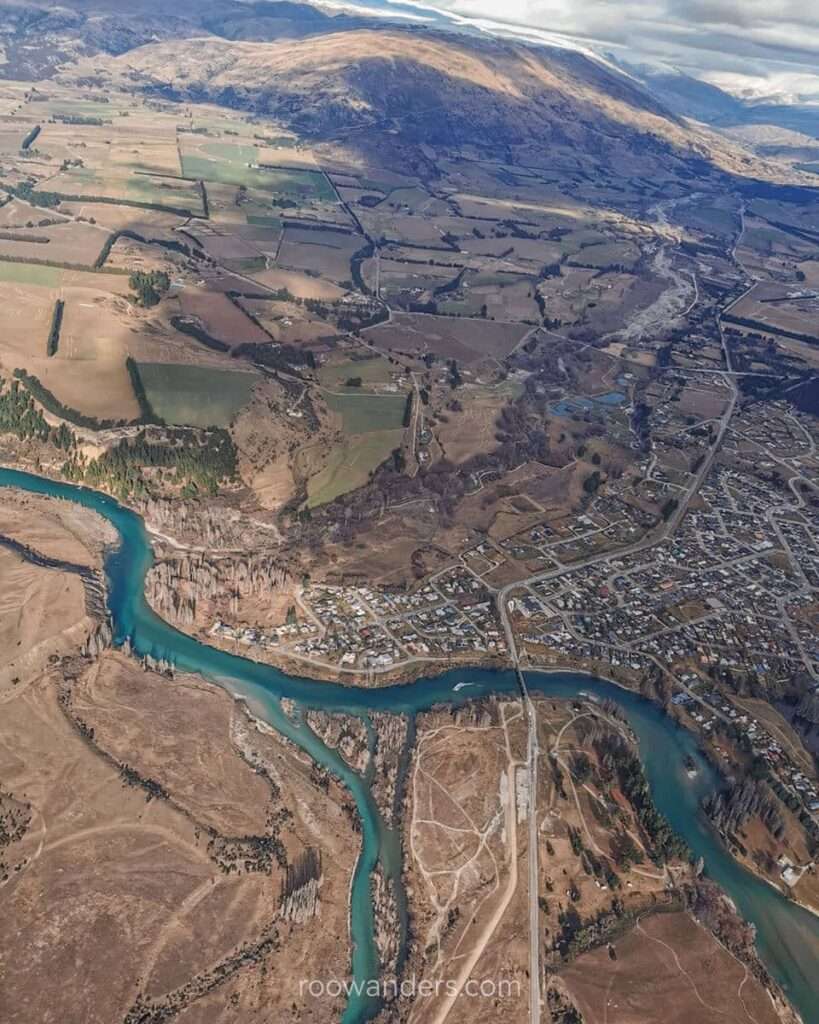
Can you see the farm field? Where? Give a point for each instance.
(230, 163)
(502, 296)
(219, 317)
(41, 276)
(25, 319)
(288, 322)
(624, 254)
(147, 223)
(299, 284)
(363, 413)
(165, 192)
(326, 253)
(375, 371)
(372, 427)
(88, 372)
(195, 396)
(395, 276)
(30, 274)
(68, 242)
(777, 308)
(92, 351)
(350, 465)
(467, 341)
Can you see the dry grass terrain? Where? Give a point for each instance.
(43, 611)
(466, 848)
(42, 615)
(466, 341)
(465, 858)
(668, 970)
(139, 798)
(130, 890)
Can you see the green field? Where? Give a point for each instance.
(350, 465)
(30, 273)
(233, 170)
(364, 413)
(196, 396)
(373, 429)
(371, 371)
(149, 188)
(83, 108)
(231, 152)
(258, 220)
(119, 184)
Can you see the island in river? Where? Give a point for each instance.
(230, 851)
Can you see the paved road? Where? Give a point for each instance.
(502, 597)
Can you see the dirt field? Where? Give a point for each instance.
(114, 218)
(466, 341)
(70, 242)
(303, 286)
(465, 859)
(42, 613)
(700, 402)
(88, 371)
(770, 305)
(93, 348)
(326, 253)
(220, 318)
(25, 320)
(668, 970)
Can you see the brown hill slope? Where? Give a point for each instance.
(427, 87)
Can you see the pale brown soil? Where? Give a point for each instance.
(118, 896)
(465, 869)
(69, 242)
(220, 318)
(42, 616)
(668, 970)
(58, 529)
(467, 341)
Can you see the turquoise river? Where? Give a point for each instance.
(787, 935)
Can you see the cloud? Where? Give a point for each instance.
(739, 44)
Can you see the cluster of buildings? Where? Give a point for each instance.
(612, 523)
(360, 627)
(271, 639)
(731, 589)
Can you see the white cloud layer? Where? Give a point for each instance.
(757, 48)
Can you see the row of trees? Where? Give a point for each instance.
(56, 324)
(618, 760)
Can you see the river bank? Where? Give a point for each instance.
(787, 936)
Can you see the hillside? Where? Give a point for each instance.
(428, 88)
(326, 75)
